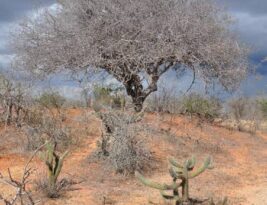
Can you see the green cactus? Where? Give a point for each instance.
(182, 172)
(54, 165)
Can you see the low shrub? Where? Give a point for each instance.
(204, 107)
(121, 144)
(41, 184)
(108, 96)
(247, 113)
(238, 107)
(263, 107)
(39, 125)
(127, 152)
(102, 95)
(51, 100)
(164, 100)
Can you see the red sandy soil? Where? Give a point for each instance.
(240, 161)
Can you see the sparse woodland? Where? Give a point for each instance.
(135, 141)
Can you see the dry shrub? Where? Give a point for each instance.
(238, 108)
(41, 184)
(108, 96)
(34, 138)
(128, 152)
(121, 144)
(54, 129)
(51, 100)
(246, 113)
(165, 100)
(40, 125)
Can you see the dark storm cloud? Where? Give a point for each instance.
(11, 10)
(255, 7)
(251, 25)
(251, 16)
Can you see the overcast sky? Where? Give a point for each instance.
(251, 25)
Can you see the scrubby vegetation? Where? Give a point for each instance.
(109, 96)
(51, 100)
(263, 106)
(115, 130)
(193, 104)
(121, 143)
(204, 107)
(40, 125)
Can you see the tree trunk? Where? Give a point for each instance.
(9, 114)
(138, 103)
(135, 89)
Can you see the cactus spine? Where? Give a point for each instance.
(182, 172)
(54, 165)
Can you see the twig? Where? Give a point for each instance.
(20, 185)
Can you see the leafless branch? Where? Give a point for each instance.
(132, 39)
(20, 185)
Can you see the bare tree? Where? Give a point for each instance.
(13, 99)
(134, 41)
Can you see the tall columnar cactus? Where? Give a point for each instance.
(54, 165)
(181, 174)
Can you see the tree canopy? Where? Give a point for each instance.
(136, 41)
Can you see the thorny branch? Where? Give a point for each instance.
(22, 194)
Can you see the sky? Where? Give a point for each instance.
(251, 26)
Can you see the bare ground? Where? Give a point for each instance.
(240, 161)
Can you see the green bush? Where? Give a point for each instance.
(205, 107)
(108, 96)
(51, 100)
(102, 94)
(263, 107)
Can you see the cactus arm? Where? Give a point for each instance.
(50, 167)
(49, 157)
(64, 155)
(155, 185)
(200, 170)
(170, 197)
(175, 163)
(176, 173)
(60, 164)
(185, 181)
(50, 151)
(54, 164)
(191, 163)
(166, 196)
(211, 202)
(225, 201)
(173, 173)
(56, 158)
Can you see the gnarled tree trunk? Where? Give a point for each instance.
(136, 90)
